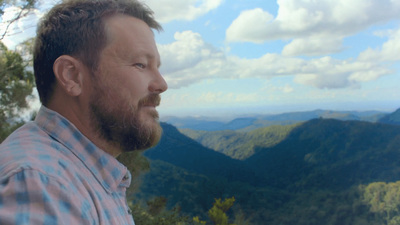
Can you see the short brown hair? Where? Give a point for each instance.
(76, 28)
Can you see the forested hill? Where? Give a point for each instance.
(393, 118)
(181, 151)
(331, 154)
(240, 145)
(319, 173)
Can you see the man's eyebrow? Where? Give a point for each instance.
(154, 57)
(147, 55)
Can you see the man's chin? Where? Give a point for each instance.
(149, 113)
(149, 137)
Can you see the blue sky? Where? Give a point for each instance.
(225, 58)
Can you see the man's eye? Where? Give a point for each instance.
(140, 65)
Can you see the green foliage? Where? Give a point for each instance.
(16, 81)
(217, 216)
(240, 145)
(197, 221)
(157, 205)
(155, 213)
(384, 199)
(137, 164)
(16, 84)
(217, 213)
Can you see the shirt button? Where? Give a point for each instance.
(129, 211)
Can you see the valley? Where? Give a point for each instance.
(317, 171)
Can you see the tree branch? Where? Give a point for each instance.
(22, 13)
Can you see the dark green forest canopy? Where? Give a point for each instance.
(237, 144)
(318, 174)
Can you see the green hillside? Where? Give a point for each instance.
(181, 151)
(323, 171)
(331, 154)
(240, 145)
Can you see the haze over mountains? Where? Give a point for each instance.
(313, 171)
(257, 121)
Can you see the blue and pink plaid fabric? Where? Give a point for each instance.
(52, 174)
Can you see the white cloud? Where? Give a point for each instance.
(287, 89)
(313, 46)
(190, 60)
(168, 10)
(327, 72)
(323, 22)
(251, 22)
(165, 11)
(388, 52)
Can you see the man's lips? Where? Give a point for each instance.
(149, 106)
(152, 100)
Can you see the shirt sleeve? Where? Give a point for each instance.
(31, 197)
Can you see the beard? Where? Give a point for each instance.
(124, 125)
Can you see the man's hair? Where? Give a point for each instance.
(76, 28)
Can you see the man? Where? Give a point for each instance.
(96, 68)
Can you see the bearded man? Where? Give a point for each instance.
(96, 67)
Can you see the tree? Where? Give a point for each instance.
(384, 199)
(217, 213)
(156, 213)
(137, 165)
(16, 84)
(16, 80)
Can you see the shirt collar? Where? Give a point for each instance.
(108, 171)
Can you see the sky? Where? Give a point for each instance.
(226, 58)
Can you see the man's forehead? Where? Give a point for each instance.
(126, 32)
(122, 26)
(122, 21)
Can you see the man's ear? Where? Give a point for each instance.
(68, 72)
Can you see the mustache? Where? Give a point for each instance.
(152, 99)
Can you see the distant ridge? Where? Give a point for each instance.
(393, 118)
(253, 122)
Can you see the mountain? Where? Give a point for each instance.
(321, 172)
(237, 144)
(201, 123)
(393, 118)
(253, 122)
(179, 150)
(331, 154)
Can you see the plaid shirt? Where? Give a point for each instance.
(52, 174)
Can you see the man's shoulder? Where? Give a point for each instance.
(29, 138)
(29, 147)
